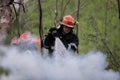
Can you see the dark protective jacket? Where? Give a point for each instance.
(69, 40)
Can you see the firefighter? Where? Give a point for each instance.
(27, 42)
(64, 33)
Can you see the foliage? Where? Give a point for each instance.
(98, 21)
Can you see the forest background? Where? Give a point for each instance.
(98, 24)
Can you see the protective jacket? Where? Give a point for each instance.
(69, 40)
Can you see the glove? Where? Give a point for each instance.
(55, 33)
(72, 47)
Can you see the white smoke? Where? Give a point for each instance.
(27, 66)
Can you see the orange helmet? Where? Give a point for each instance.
(25, 36)
(68, 21)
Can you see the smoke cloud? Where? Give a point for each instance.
(28, 66)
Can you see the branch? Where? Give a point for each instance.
(62, 9)
(119, 8)
(40, 22)
(78, 13)
(104, 40)
(56, 14)
(65, 7)
(82, 5)
(111, 53)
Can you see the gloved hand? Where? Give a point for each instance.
(55, 33)
(72, 47)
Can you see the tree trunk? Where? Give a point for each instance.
(119, 8)
(20, 14)
(5, 20)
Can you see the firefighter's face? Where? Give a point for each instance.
(66, 29)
